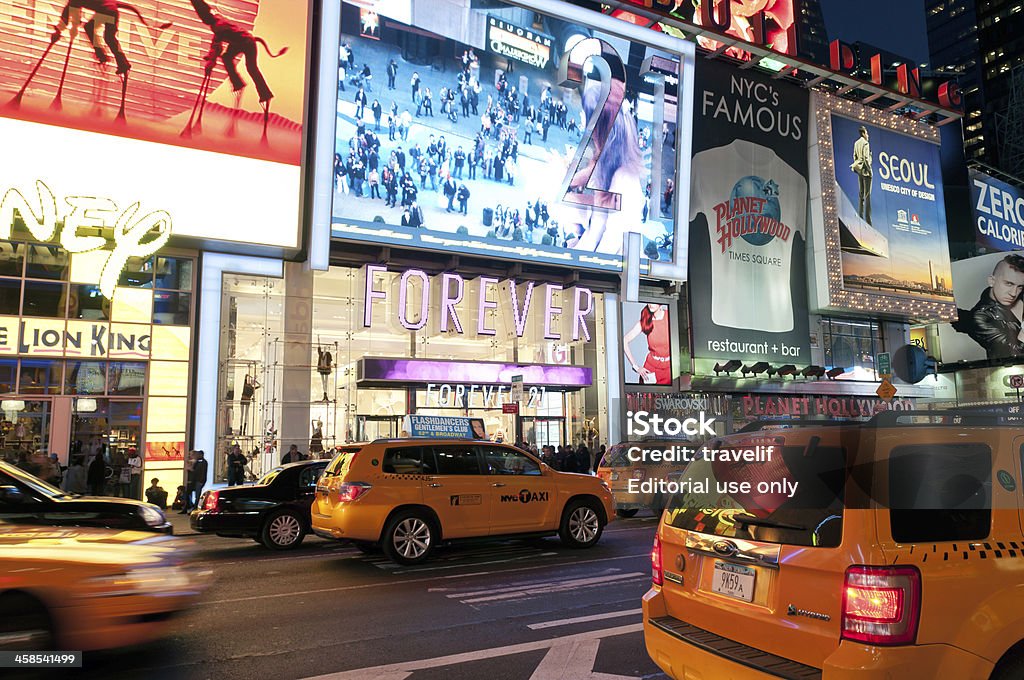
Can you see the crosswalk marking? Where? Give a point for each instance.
(577, 657)
(542, 588)
(585, 619)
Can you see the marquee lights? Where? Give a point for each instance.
(89, 213)
(825, 105)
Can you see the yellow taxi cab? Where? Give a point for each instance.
(407, 495)
(632, 471)
(84, 589)
(887, 549)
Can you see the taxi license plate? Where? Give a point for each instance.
(733, 580)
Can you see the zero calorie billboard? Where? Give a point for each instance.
(482, 134)
(998, 210)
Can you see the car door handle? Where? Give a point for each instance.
(497, 484)
(435, 485)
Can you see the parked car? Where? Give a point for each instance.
(274, 511)
(408, 495)
(69, 588)
(26, 499)
(878, 550)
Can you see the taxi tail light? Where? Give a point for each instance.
(881, 605)
(657, 574)
(350, 491)
(212, 500)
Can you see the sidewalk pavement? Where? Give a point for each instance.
(180, 523)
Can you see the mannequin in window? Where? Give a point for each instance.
(323, 367)
(316, 446)
(248, 391)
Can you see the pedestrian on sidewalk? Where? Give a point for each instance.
(392, 72)
(97, 475)
(199, 471)
(135, 470)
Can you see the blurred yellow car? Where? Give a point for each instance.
(83, 589)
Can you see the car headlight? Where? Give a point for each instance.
(166, 580)
(152, 516)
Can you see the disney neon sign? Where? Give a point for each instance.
(130, 231)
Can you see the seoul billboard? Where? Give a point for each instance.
(192, 108)
(475, 131)
(884, 217)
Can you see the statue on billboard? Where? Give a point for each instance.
(861, 166)
(238, 42)
(105, 18)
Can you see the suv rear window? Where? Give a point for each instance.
(940, 492)
(813, 516)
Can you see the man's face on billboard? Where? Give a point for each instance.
(1007, 284)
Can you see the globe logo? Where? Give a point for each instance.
(752, 186)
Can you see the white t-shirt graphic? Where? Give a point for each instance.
(755, 204)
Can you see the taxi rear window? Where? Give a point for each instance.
(339, 465)
(709, 499)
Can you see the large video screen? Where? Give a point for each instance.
(647, 343)
(500, 132)
(892, 217)
(195, 108)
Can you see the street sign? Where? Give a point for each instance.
(886, 391)
(1017, 381)
(512, 408)
(516, 393)
(883, 364)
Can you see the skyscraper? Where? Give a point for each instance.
(981, 43)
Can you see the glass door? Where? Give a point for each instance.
(543, 431)
(369, 428)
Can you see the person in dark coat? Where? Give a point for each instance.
(199, 471)
(97, 475)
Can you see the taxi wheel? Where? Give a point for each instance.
(283, 531)
(409, 538)
(25, 625)
(581, 524)
(626, 514)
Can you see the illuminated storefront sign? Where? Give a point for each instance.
(447, 294)
(426, 371)
(523, 44)
(78, 339)
(848, 407)
(134, 234)
(480, 396)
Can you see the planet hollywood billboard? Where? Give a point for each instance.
(748, 206)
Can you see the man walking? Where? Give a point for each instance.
(392, 72)
(463, 196)
(862, 168)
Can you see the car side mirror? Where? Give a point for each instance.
(12, 494)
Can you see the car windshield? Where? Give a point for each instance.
(793, 494)
(616, 456)
(9, 474)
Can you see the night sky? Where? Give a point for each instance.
(894, 25)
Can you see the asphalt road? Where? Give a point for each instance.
(530, 610)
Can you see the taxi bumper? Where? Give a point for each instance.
(696, 658)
